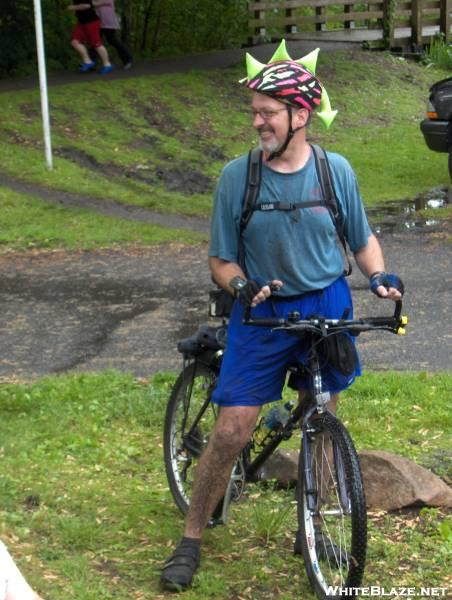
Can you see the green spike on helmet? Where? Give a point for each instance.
(310, 60)
(253, 67)
(281, 55)
(326, 114)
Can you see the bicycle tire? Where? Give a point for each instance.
(182, 449)
(341, 566)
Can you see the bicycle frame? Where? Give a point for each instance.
(329, 499)
(302, 414)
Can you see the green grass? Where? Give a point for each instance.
(31, 223)
(86, 510)
(438, 53)
(161, 141)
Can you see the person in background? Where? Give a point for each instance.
(109, 27)
(87, 33)
(13, 585)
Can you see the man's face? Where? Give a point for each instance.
(271, 121)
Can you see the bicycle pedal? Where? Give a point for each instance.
(214, 523)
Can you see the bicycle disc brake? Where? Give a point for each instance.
(237, 481)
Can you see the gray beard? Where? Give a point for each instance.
(269, 146)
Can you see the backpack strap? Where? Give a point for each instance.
(253, 182)
(330, 198)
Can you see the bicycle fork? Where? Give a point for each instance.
(233, 491)
(321, 399)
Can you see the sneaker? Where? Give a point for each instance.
(128, 65)
(178, 571)
(86, 67)
(106, 69)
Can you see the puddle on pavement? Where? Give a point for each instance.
(404, 215)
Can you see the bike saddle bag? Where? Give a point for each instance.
(338, 351)
(207, 337)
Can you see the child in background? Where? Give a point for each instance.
(87, 32)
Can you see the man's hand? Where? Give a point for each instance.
(251, 292)
(387, 285)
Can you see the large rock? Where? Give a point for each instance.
(391, 481)
(282, 466)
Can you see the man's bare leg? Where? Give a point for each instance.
(232, 431)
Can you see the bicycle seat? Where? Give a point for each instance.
(207, 337)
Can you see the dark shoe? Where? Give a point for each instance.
(297, 549)
(178, 570)
(128, 65)
(328, 551)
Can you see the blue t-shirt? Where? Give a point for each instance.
(298, 247)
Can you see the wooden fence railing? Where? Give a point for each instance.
(293, 18)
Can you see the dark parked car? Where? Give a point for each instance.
(437, 127)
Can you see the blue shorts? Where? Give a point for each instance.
(256, 360)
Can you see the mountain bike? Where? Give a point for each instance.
(330, 502)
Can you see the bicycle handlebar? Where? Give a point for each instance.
(323, 327)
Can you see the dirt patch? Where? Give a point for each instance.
(185, 181)
(177, 179)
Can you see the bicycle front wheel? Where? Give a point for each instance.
(331, 509)
(189, 420)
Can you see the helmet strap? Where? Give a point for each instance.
(290, 133)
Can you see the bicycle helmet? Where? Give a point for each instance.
(292, 82)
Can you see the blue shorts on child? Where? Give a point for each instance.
(256, 360)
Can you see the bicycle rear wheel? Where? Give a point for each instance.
(189, 420)
(331, 509)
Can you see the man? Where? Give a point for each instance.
(295, 250)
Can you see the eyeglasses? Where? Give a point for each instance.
(266, 114)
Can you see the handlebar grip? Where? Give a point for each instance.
(397, 309)
(263, 322)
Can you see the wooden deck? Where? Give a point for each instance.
(360, 34)
(397, 23)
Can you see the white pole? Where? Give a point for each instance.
(43, 83)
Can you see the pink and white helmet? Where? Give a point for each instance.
(292, 82)
(288, 82)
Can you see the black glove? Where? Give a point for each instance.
(246, 289)
(387, 280)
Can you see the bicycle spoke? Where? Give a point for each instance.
(333, 559)
(189, 420)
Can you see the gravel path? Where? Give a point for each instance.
(126, 309)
